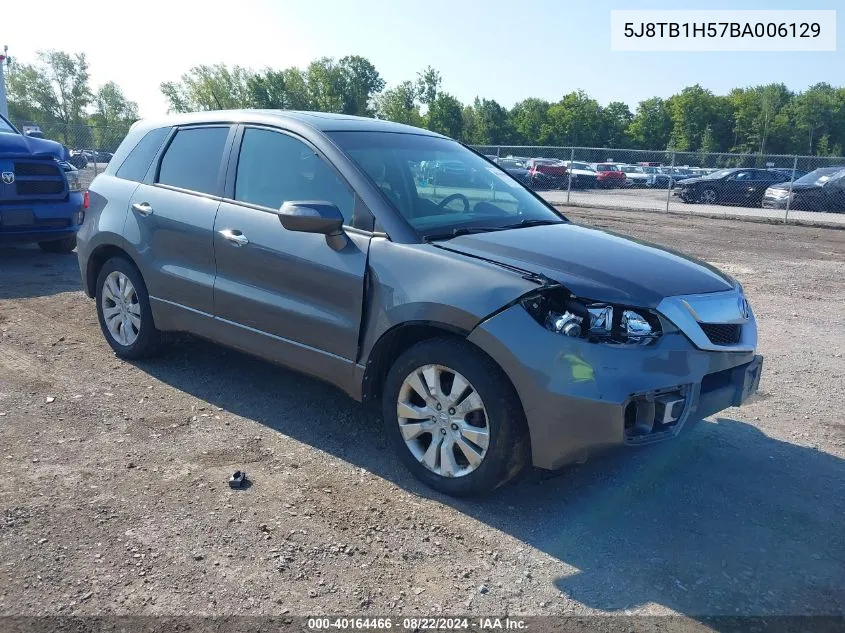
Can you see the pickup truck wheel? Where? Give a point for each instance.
(123, 309)
(454, 417)
(63, 246)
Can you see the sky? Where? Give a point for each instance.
(497, 49)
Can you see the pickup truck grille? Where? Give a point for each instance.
(35, 179)
(722, 333)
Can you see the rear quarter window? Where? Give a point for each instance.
(139, 159)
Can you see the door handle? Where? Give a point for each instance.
(235, 237)
(143, 208)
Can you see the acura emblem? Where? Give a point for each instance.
(8, 177)
(744, 308)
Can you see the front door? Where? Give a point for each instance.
(289, 295)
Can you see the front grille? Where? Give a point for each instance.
(37, 169)
(39, 187)
(722, 333)
(35, 179)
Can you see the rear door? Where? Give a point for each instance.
(289, 294)
(171, 219)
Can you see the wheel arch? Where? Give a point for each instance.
(97, 258)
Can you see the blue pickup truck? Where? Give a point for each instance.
(41, 199)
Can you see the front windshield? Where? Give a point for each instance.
(440, 186)
(6, 127)
(720, 174)
(821, 176)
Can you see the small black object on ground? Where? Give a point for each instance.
(238, 480)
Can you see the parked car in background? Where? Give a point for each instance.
(635, 175)
(729, 186)
(515, 168)
(666, 177)
(489, 330)
(787, 171)
(609, 175)
(78, 158)
(583, 176)
(819, 190)
(547, 173)
(40, 194)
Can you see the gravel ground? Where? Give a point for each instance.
(114, 495)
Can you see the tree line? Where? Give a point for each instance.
(768, 119)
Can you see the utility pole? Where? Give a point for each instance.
(4, 107)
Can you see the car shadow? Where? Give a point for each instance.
(724, 520)
(27, 271)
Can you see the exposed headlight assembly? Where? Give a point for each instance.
(597, 322)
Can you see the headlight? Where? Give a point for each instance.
(594, 321)
(779, 193)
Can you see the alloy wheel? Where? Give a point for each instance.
(443, 421)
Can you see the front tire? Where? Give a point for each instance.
(708, 196)
(123, 309)
(454, 417)
(62, 246)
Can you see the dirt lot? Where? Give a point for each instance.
(114, 497)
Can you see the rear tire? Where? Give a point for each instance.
(494, 421)
(123, 309)
(62, 246)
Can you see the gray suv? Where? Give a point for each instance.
(490, 330)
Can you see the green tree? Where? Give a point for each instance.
(616, 118)
(574, 120)
(55, 90)
(399, 104)
(428, 85)
(651, 126)
(528, 118)
(692, 110)
(814, 113)
(445, 116)
(113, 115)
(362, 83)
(209, 88)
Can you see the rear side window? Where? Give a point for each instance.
(192, 161)
(138, 162)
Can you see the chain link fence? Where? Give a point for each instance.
(777, 187)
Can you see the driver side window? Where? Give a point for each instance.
(274, 168)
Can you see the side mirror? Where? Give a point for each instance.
(314, 216)
(311, 216)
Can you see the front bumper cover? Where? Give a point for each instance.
(578, 396)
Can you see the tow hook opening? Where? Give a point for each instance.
(655, 413)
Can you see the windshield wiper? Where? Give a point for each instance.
(465, 230)
(536, 222)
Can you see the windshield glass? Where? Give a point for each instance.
(6, 127)
(720, 174)
(582, 166)
(438, 185)
(821, 176)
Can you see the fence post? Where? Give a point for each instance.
(569, 184)
(791, 180)
(671, 182)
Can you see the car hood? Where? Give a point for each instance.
(688, 180)
(20, 145)
(596, 264)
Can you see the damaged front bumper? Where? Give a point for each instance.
(581, 397)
